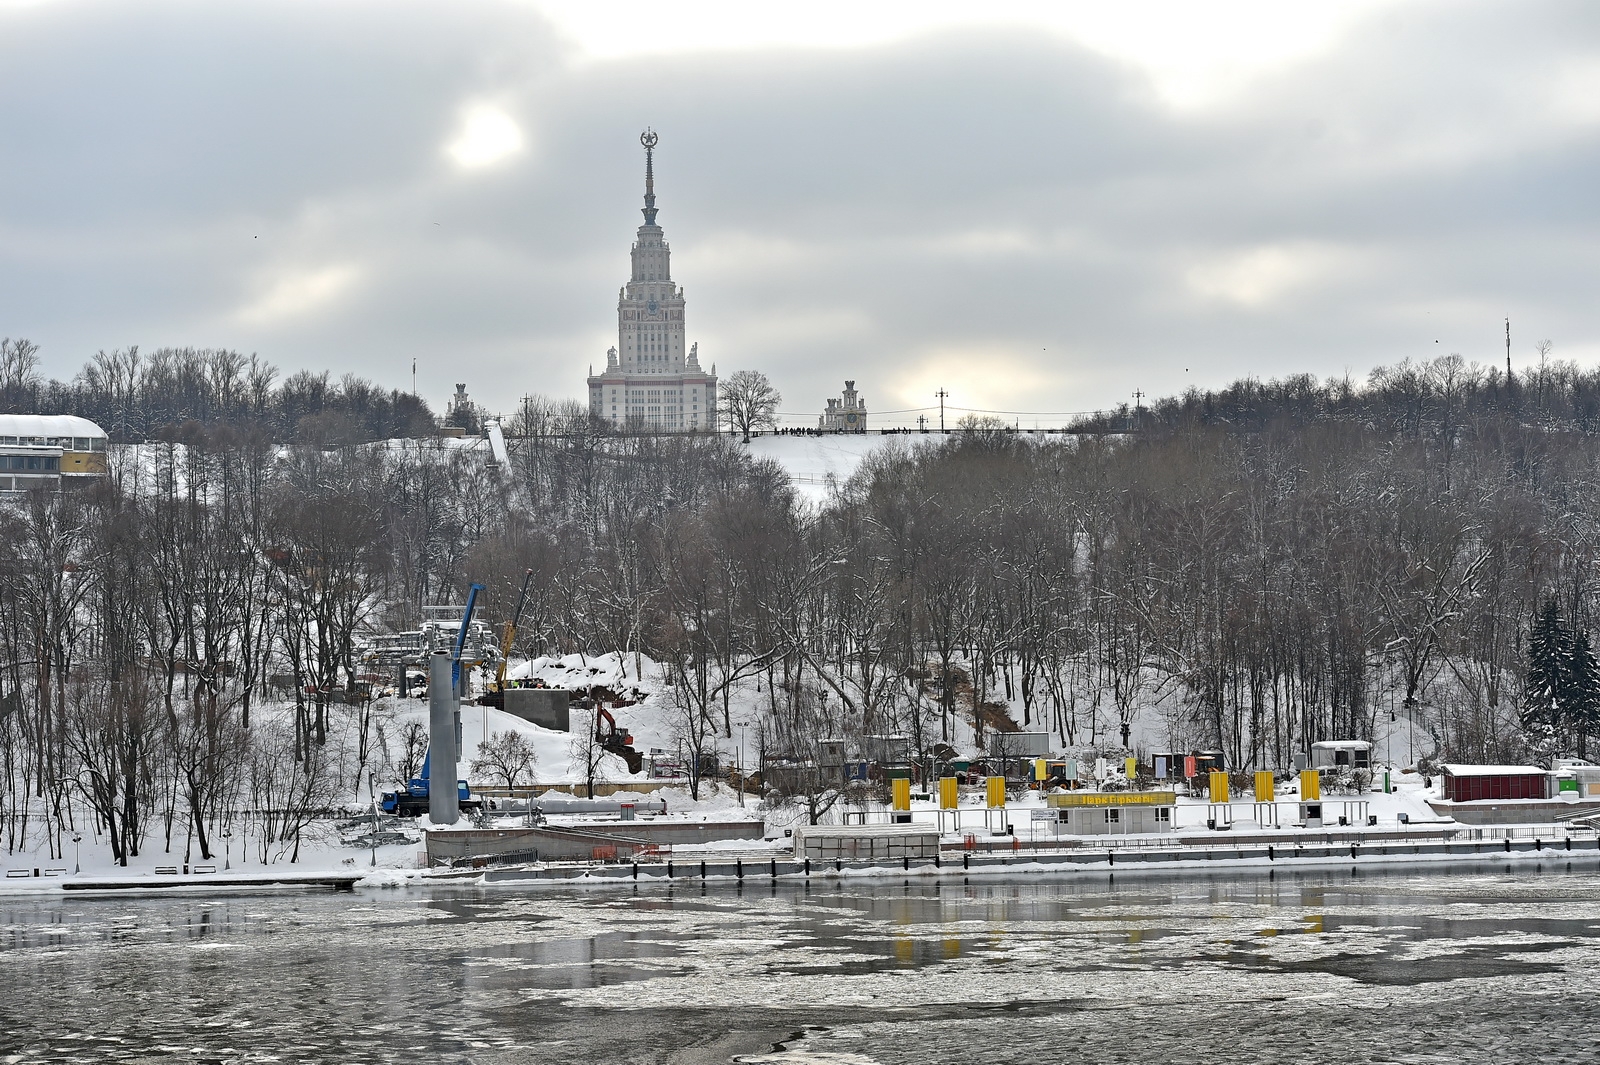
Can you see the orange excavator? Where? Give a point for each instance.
(613, 740)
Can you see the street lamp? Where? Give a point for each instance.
(227, 849)
(372, 793)
(741, 767)
(77, 838)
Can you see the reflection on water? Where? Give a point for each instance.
(1380, 967)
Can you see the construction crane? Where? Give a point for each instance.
(497, 697)
(413, 799)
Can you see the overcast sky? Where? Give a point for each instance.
(1041, 208)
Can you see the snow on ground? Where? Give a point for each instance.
(815, 463)
(648, 712)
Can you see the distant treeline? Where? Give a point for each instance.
(138, 396)
(1446, 393)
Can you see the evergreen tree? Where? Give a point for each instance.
(1582, 696)
(1561, 692)
(1545, 689)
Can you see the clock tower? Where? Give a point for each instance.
(652, 380)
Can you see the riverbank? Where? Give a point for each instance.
(1174, 858)
(1160, 856)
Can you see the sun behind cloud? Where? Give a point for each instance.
(976, 378)
(487, 135)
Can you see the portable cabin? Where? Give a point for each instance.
(1337, 754)
(887, 750)
(1471, 783)
(1578, 775)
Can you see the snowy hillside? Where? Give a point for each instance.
(816, 462)
(646, 710)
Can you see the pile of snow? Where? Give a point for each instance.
(632, 687)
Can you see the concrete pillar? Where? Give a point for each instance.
(444, 808)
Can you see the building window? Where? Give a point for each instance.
(1164, 814)
(1113, 816)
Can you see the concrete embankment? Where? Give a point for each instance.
(1163, 860)
(596, 840)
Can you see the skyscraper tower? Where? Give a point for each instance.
(652, 380)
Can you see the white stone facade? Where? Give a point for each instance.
(653, 380)
(845, 415)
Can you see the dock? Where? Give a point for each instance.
(210, 881)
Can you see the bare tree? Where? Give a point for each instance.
(750, 402)
(507, 755)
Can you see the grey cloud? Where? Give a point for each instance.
(834, 214)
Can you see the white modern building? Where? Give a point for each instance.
(653, 379)
(49, 450)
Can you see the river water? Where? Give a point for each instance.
(1485, 963)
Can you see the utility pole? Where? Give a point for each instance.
(1137, 396)
(413, 378)
(941, 394)
(1508, 349)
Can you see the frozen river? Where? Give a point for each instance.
(1380, 966)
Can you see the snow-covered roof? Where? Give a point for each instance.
(1490, 770)
(1342, 745)
(48, 425)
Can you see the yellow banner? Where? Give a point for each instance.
(1114, 798)
(1041, 769)
(1310, 785)
(1219, 786)
(902, 794)
(1266, 788)
(997, 792)
(1131, 767)
(948, 797)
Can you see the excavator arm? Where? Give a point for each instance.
(613, 740)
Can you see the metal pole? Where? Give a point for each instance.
(444, 807)
(372, 793)
(77, 867)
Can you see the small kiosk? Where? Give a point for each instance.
(1121, 813)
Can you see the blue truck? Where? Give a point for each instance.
(413, 801)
